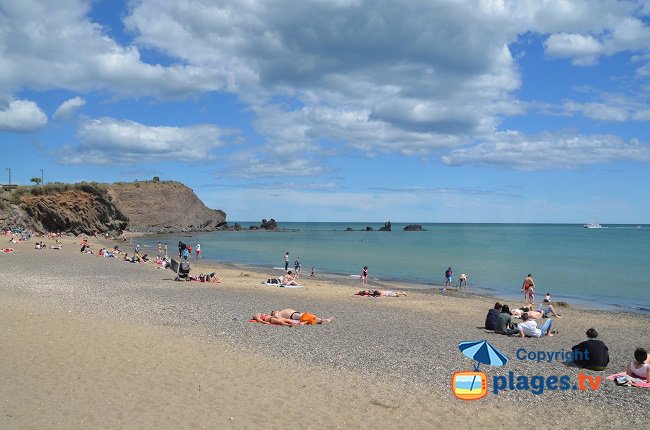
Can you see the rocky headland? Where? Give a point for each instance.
(87, 208)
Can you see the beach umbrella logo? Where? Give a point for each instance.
(473, 385)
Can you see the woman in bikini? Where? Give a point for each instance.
(640, 366)
(296, 316)
(270, 319)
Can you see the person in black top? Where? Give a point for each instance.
(491, 318)
(591, 354)
(504, 323)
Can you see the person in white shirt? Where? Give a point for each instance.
(529, 327)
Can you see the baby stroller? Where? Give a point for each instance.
(182, 270)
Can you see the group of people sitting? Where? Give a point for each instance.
(290, 317)
(499, 319)
(288, 279)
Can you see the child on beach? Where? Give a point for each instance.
(547, 298)
(364, 275)
(198, 251)
(313, 272)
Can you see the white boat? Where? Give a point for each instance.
(592, 225)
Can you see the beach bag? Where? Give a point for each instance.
(308, 318)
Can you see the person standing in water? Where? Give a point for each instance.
(286, 262)
(528, 287)
(364, 275)
(448, 277)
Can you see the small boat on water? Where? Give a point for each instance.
(592, 225)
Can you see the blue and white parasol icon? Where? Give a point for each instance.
(482, 352)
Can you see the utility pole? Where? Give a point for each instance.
(42, 177)
(9, 175)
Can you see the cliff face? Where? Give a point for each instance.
(156, 207)
(73, 211)
(161, 207)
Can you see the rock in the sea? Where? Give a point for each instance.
(368, 228)
(387, 227)
(269, 225)
(349, 229)
(413, 227)
(237, 226)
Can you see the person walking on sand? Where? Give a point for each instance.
(297, 267)
(198, 251)
(449, 277)
(528, 287)
(286, 262)
(364, 275)
(166, 256)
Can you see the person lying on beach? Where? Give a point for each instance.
(640, 366)
(269, 319)
(380, 293)
(56, 247)
(302, 317)
(504, 324)
(538, 314)
(210, 277)
(528, 328)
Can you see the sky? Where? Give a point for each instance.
(339, 110)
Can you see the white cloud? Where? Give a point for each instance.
(598, 111)
(251, 164)
(113, 141)
(21, 116)
(548, 151)
(53, 44)
(411, 77)
(68, 108)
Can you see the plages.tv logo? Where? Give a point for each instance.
(473, 385)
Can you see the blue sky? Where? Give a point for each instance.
(339, 110)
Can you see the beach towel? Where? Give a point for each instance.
(7, 250)
(625, 379)
(253, 321)
(282, 285)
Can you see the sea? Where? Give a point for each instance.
(606, 268)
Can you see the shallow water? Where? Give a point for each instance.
(604, 267)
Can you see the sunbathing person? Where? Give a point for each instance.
(380, 293)
(640, 366)
(302, 317)
(535, 315)
(269, 319)
(289, 279)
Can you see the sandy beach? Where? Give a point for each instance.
(91, 342)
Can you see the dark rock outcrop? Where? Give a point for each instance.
(269, 225)
(413, 227)
(387, 227)
(73, 211)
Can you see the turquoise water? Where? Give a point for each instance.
(604, 267)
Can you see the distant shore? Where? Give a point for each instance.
(96, 342)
